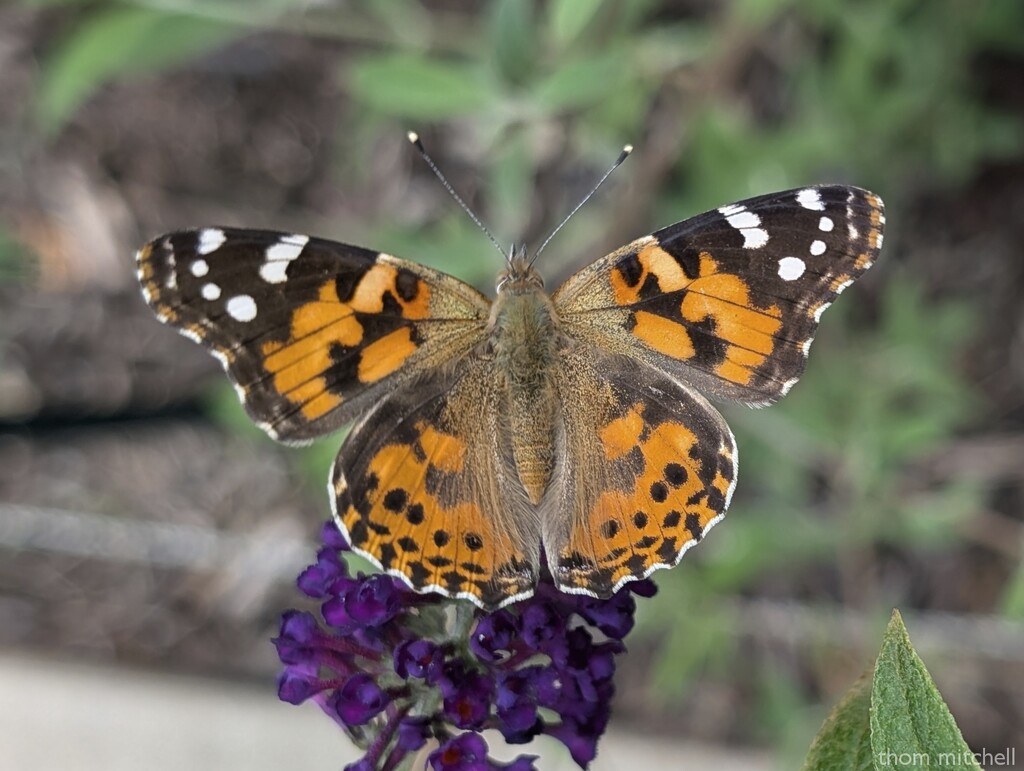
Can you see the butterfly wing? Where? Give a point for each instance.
(648, 467)
(729, 301)
(311, 331)
(425, 487)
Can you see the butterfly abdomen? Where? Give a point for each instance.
(524, 339)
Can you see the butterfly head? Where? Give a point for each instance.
(520, 275)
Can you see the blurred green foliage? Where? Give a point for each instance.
(116, 40)
(881, 93)
(15, 265)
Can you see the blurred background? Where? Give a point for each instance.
(149, 535)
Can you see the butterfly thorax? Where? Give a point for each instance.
(524, 335)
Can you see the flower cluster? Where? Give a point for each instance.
(398, 669)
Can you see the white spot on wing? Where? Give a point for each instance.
(878, 240)
(842, 287)
(199, 268)
(191, 334)
(274, 272)
(172, 272)
(817, 248)
(809, 340)
(241, 308)
(788, 385)
(744, 219)
(819, 310)
(288, 248)
(810, 198)
(791, 268)
(210, 240)
(210, 291)
(825, 224)
(754, 238)
(278, 257)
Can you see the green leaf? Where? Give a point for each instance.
(420, 87)
(844, 741)
(911, 726)
(514, 40)
(121, 42)
(568, 18)
(581, 82)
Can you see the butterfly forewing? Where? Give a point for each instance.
(729, 301)
(311, 331)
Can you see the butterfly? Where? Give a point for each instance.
(498, 441)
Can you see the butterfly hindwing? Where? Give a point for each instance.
(424, 487)
(729, 301)
(310, 331)
(648, 467)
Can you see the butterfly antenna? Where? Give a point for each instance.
(415, 139)
(618, 162)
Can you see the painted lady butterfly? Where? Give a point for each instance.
(496, 435)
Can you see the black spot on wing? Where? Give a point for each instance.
(630, 269)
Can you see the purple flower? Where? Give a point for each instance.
(544, 628)
(298, 682)
(466, 752)
(396, 669)
(318, 580)
(419, 658)
(517, 701)
(359, 699)
(467, 696)
(581, 743)
(332, 537)
(413, 733)
(614, 616)
(366, 603)
(494, 633)
(298, 632)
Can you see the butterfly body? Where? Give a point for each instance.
(525, 337)
(491, 435)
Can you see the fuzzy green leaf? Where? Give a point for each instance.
(911, 726)
(844, 741)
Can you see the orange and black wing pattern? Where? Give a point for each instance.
(310, 331)
(649, 467)
(729, 301)
(424, 486)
